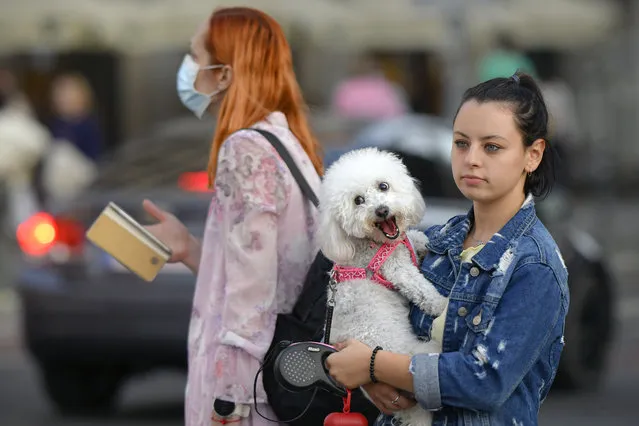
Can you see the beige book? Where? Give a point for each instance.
(117, 233)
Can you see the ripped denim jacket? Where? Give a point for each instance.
(504, 326)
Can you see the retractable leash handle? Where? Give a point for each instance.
(283, 344)
(302, 366)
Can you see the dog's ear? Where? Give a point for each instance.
(333, 241)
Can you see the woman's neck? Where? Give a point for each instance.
(491, 217)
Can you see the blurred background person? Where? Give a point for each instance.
(69, 165)
(504, 59)
(74, 119)
(368, 94)
(23, 142)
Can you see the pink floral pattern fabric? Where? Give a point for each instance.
(257, 246)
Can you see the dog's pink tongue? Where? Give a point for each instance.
(388, 226)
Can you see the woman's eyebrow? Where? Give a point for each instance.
(484, 138)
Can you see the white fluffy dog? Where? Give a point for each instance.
(367, 202)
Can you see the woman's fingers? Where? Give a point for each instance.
(154, 210)
(403, 403)
(387, 398)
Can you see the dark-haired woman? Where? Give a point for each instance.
(502, 332)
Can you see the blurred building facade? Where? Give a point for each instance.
(130, 50)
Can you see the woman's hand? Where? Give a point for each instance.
(387, 398)
(174, 234)
(350, 366)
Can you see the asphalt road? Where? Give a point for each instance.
(157, 399)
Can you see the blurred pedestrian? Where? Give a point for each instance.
(368, 94)
(23, 142)
(504, 60)
(258, 240)
(74, 118)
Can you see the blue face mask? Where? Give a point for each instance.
(196, 101)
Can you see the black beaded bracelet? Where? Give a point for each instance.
(372, 366)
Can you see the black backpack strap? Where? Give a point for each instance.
(295, 171)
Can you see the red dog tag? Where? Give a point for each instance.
(346, 418)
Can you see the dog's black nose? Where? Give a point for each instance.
(382, 212)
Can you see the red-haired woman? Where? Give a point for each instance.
(257, 243)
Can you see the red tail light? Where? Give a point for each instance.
(41, 232)
(194, 181)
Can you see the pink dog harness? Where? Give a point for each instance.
(346, 273)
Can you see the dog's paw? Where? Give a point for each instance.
(439, 306)
(418, 240)
(431, 303)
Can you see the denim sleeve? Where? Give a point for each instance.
(502, 355)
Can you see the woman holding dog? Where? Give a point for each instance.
(258, 241)
(506, 283)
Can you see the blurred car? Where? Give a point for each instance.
(424, 142)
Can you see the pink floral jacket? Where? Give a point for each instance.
(257, 247)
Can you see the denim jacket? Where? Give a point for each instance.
(504, 327)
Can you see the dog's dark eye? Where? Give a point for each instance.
(359, 200)
(383, 186)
